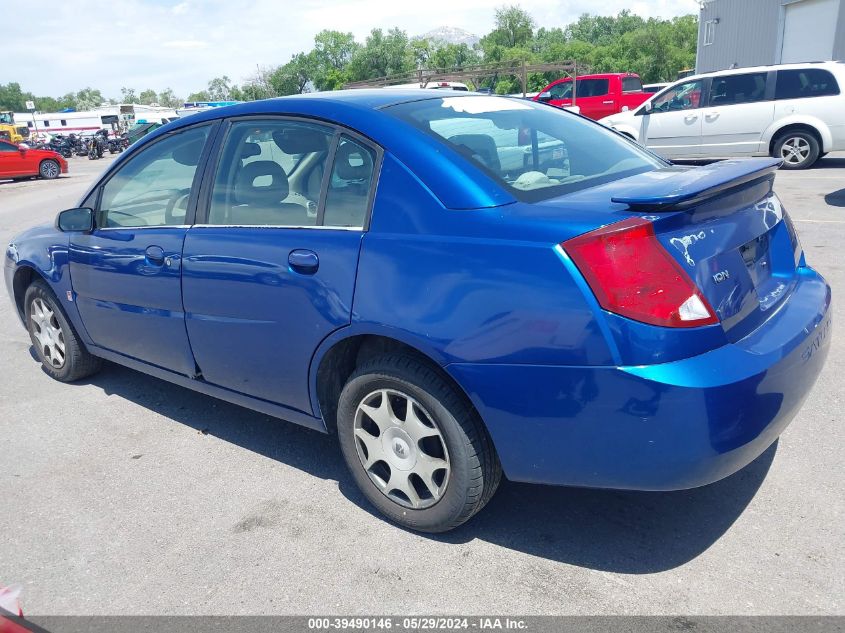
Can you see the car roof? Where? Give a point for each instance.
(751, 69)
(445, 173)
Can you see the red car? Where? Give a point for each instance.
(597, 96)
(22, 162)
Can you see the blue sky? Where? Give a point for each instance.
(183, 43)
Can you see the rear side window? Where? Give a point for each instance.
(257, 182)
(805, 82)
(592, 87)
(348, 195)
(733, 89)
(631, 84)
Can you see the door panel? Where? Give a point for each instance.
(265, 278)
(673, 134)
(673, 127)
(736, 115)
(734, 130)
(127, 274)
(256, 313)
(130, 302)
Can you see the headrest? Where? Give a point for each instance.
(353, 162)
(264, 193)
(480, 145)
(248, 150)
(301, 140)
(189, 153)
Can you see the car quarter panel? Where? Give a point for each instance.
(455, 279)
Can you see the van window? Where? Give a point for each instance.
(732, 89)
(631, 84)
(805, 82)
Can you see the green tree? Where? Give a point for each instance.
(13, 98)
(168, 99)
(329, 61)
(148, 97)
(219, 88)
(201, 95)
(128, 95)
(382, 54)
(514, 28)
(293, 77)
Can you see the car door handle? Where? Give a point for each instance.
(607, 102)
(303, 261)
(690, 117)
(711, 116)
(155, 255)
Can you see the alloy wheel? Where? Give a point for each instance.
(795, 150)
(48, 333)
(401, 449)
(49, 169)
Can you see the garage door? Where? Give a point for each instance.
(808, 30)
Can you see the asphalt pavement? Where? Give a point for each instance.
(124, 494)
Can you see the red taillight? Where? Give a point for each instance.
(631, 274)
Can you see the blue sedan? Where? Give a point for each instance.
(459, 287)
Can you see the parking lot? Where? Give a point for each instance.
(125, 494)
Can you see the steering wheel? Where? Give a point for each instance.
(181, 196)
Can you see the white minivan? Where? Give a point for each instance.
(792, 111)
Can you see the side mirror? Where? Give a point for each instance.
(544, 96)
(76, 220)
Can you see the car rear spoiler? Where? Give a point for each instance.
(665, 190)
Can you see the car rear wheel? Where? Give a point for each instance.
(59, 349)
(798, 150)
(415, 447)
(49, 169)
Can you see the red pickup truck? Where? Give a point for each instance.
(597, 96)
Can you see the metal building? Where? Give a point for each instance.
(739, 33)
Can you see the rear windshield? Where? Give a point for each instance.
(535, 150)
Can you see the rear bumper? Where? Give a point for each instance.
(656, 427)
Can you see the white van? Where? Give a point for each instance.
(792, 111)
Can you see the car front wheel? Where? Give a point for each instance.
(49, 169)
(57, 346)
(798, 150)
(415, 447)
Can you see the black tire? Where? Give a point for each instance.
(49, 169)
(805, 149)
(474, 469)
(77, 362)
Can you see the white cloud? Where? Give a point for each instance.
(182, 45)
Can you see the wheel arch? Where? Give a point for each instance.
(24, 276)
(339, 355)
(814, 127)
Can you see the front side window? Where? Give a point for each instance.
(535, 151)
(685, 96)
(154, 186)
(7, 147)
(733, 89)
(805, 82)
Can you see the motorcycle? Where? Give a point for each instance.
(61, 145)
(118, 144)
(98, 145)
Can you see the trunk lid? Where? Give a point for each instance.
(722, 223)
